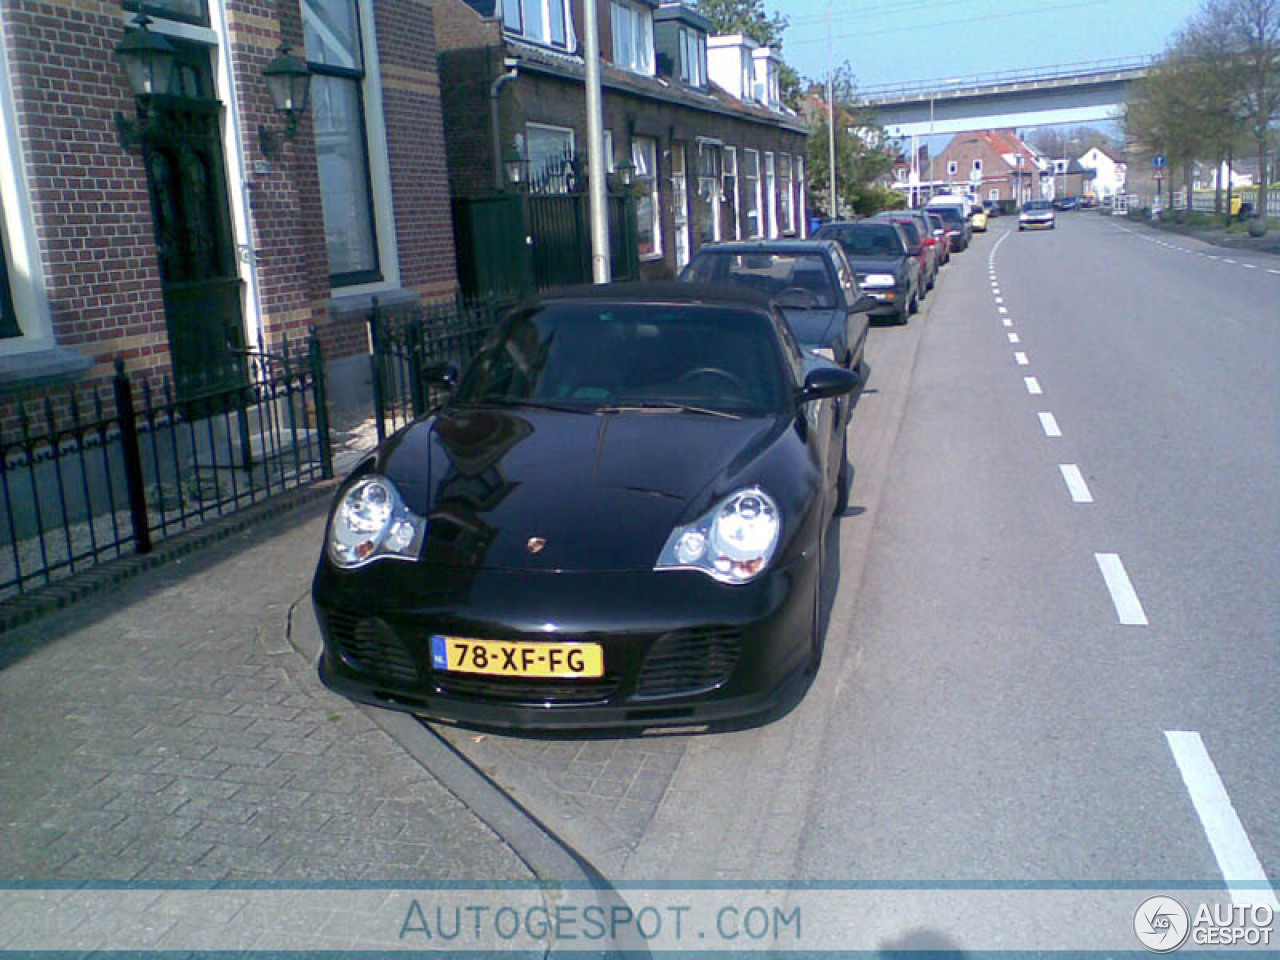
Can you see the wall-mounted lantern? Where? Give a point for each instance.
(516, 169)
(626, 173)
(148, 60)
(289, 83)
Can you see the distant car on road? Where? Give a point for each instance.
(992, 207)
(1066, 203)
(617, 520)
(878, 251)
(811, 281)
(978, 222)
(1036, 214)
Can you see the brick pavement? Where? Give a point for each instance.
(165, 731)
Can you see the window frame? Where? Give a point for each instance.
(754, 196)
(654, 178)
(154, 10)
(730, 172)
(953, 167)
(570, 42)
(358, 76)
(633, 13)
(771, 193)
(572, 138)
(785, 184)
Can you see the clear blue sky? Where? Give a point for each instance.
(905, 40)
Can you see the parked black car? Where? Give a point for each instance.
(879, 252)
(957, 226)
(810, 280)
(617, 519)
(921, 243)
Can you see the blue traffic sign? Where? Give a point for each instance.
(1158, 161)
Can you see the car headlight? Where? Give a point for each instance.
(879, 280)
(371, 522)
(732, 542)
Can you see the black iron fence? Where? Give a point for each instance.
(84, 481)
(413, 346)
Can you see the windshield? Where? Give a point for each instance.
(585, 356)
(767, 273)
(1037, 205)
(951, 216)
(868, 240)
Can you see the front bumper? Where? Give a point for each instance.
(679, 648)
(1036, 222)
(888, 300)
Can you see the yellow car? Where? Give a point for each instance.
(979, 221)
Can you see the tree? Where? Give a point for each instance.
(748, 17)
(864, 154)
(1246, 33)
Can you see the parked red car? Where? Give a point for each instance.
(941, 236)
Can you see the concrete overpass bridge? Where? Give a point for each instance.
(1077, 93)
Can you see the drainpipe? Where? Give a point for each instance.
(494, 88)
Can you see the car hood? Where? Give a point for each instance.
(555, 491)
(815, 328)
(864, 264)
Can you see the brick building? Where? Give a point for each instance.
(716, 154)
(997, 164)
(172, 242)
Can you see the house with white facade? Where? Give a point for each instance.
(1108, 172)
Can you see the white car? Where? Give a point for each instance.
(1036, 213)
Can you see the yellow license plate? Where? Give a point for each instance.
(499, 659)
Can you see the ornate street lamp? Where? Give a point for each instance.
(289, 83)
(517, 170)
(148, 60)
(626, 172)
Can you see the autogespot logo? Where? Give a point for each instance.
(1162, 924)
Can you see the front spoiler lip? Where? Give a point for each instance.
(700, 710)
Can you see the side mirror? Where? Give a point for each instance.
(827, 382)
(864, 303)
(441, 374)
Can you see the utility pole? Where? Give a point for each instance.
(831, 126)
(601, 270)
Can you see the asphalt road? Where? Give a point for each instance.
(1026, 604)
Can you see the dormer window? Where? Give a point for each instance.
(693, 57)
(632, 36)
(540, 21)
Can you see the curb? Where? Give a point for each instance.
(61, 594)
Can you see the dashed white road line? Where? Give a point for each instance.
(999, 299)
(1076, 486)
(1246, 880)
(1250, 266)
(1033, 386)
(1227, 260)
(1276, 272)
(1123, 596)
(1020, 358)
(1050, 424)
(1014, 338)
(1007, 322)
(1002, 309)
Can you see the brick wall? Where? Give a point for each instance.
(415, 145)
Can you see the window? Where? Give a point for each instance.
(550, 153)
(751, 193)
(332, 32)
(730, 189)
(693, 57)
(632, 36)
(802, 198)
(8, 318)
(788, 197)
(771, 194)
(993, 194)
(710, 172)
(542, 21)
(977, 165)
(680, 205)
(748, 74)
(951, 168)
(644, 154)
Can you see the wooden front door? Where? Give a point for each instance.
(187, 180)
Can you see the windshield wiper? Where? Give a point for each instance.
(673, 405)
(532, 404)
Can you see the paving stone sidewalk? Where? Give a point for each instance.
(167, 731)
